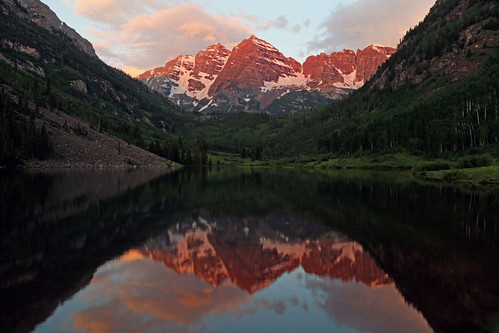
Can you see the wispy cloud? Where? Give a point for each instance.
(145, 36)
(280, 22)
(116, 12)
(365, 22)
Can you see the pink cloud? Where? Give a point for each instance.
(133, 71)
(115, 12)
(197, 30)
(150, 39)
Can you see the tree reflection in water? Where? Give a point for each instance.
(253, 228)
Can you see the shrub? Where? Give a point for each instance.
(433, 167)
(475, 161)
(453, 175)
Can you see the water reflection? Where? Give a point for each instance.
(247, 240)
(225, 274)
(252, 253)
(45, 197)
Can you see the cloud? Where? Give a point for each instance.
(366, 22)
(280, 23)
(115, 12)
(296, 28)
(146, 34)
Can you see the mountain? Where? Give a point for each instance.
(50, 75)
(187, 75)
(254, 261)
(346, 69)
(255, 74)
(437, 94)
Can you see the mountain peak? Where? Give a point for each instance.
(262, 44)
(216, 46)
(380, 48)
(255, 73)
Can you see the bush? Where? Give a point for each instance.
(453, 175)
(475, 161)
(433, 167)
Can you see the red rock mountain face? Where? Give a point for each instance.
(253, 264)
(208, 65)
(369, 59)
(252, 63)
(172, 69)
(345, 69)
(255, 73)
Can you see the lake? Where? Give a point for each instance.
(245, 250)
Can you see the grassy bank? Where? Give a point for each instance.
(399, 161)
(488, 175)
(433, 169)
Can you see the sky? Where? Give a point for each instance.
(140, 35)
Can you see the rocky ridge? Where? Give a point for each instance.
(451, 48)
(40, 14)
(255, 74)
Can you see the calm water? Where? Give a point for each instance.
(245, 251)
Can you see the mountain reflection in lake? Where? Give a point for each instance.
(247, 251)
(245, 275)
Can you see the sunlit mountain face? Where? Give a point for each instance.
(207, 274)
(254, 74)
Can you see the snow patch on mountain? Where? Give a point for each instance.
(263, 44)
(256, 68)
(298, 81)
(349, 81)
(206, 106)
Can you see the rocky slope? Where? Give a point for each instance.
(255, 74)
(450, 42)
(77, 144)
(39, 13)
(48, 66)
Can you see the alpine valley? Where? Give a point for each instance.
(212, 194)
(435, 96)
(255, 74)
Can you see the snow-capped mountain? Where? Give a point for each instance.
(187, 76)
(254, 74)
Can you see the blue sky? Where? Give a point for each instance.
(139, 35)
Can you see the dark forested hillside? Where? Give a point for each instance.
(44, 69)
(437, 93)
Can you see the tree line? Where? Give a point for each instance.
(180, 152)
(460, 120)
(20, 138)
